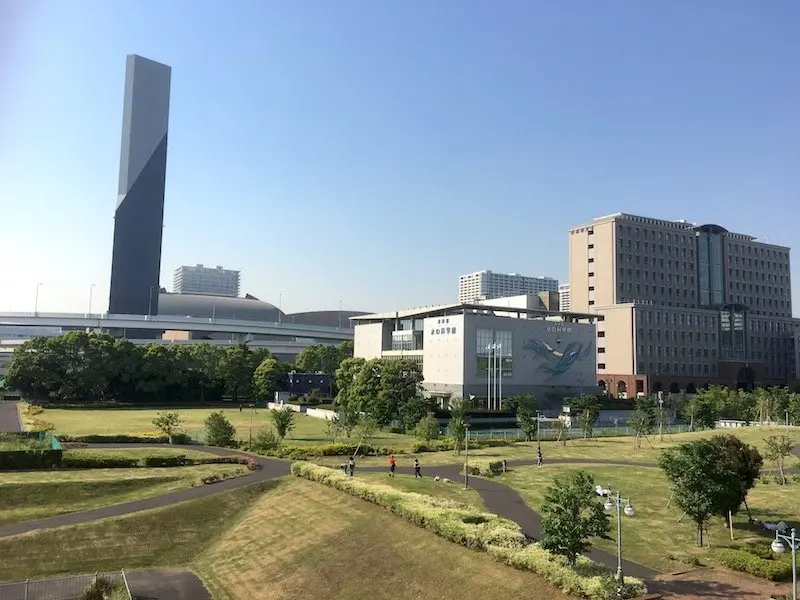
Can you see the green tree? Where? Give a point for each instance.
(237, 371)
(168, 423)
(270, 377)
(366, 429)
(413, 410)
(459, 421)
(643, 420)
(778, 447)
(589, 409)
(209, 360)
(704, 483)
(283, 420)
(525, 407)
(427, 428)
(346, 376)
(318, 358)
(571, 515)
(347, 419)
(701, 410)
(399, 384)
(745, 462)
(345, 349)
(219, 431)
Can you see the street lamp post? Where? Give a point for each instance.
(250, 444)
(500, 377)
(538, 428)
(660, 418)
(779, 547)
(91, 290)
(628, 510)
(36, 301)
(466, 456)
(489, 366)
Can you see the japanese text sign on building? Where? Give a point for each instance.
(447, 330)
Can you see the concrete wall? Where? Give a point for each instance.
(443, 364)
(369, 339)
(321, 413)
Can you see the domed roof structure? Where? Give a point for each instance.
(202, 306)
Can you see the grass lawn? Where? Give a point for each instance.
(170, 536)
(136, 452)
(306, 540)
(39, 494)
(132, 421)
(452, 491)
(653, 537)
(606, 448)
(9, 441)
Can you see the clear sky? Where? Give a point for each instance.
(370, 152)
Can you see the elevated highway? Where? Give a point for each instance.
(157, 324)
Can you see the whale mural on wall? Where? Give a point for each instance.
(556, 363)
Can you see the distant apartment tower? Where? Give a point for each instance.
(198, 279)
(564, 304)
(485, 285)
(684, 305)
(139, 216)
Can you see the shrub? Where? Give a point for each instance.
(485, 467)
(98, 461)
(144, 438)
(104, 589)
(22, 460)
(501, 538)
(252, 465)
(265, 441)
(747, 562)
(165, 461)
(220, 431)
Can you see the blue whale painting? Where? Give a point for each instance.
(557, 362)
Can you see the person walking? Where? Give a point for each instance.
(539, 457)
(392, 465)
(416, 468)
(351, 465)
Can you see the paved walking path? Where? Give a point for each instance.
(158, 584)
(9, 417)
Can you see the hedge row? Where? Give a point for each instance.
(23, 460)
(746, 561)
(106, 461)
(501, 538)
(485, 467)
(348, 449)
(144, 438)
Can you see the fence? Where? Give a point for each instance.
(62, 588)
(574, 432)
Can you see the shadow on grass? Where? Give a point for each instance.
(697, 588)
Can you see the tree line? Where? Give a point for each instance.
(80, 367)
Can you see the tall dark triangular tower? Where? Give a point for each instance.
(139, 217)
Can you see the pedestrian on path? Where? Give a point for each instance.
(351, 465)
(392, 465)
(539, 457)
(416, 468)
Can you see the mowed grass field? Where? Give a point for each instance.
(610, 449)
(653, 536)
(427, 485)
(306, 541)
(36, 495)
(170, 536)
(133, 421)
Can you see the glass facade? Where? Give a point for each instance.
(484, 339)
(733, 334)
(710, 274)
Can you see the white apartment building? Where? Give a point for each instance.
(206, 280)
(564, 302)
(485, 285)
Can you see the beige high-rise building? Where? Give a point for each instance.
(684, 305)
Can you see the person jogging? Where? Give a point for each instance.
(392, 465)
(416, 468)
(351, 466)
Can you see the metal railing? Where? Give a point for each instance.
(60, 588)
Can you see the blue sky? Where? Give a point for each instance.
(370, 152)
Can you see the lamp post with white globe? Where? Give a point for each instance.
(779, 547)
(628, 510)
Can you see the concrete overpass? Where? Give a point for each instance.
(158, 324)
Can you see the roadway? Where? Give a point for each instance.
(171, 323)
